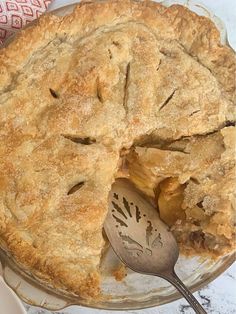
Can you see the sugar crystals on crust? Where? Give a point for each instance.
(74, 92)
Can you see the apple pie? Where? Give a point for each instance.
(113, 83)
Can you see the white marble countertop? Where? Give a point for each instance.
(219, 297)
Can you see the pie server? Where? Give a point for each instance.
(141, 240)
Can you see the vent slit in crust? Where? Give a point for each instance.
(127, 78)
(76, 187)
(80, 140)
(99, 91)
(110, 54)
(53, 93)
(194, 112)
(158, 67)
(165, 103)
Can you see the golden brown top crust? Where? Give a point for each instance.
(74, 91)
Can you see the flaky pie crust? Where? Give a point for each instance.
(75, 92)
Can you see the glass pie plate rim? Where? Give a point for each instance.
(37, 293)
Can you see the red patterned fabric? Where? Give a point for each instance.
(14, 14)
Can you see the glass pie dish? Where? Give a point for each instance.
(135, 291)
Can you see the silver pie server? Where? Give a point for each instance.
(140, 239)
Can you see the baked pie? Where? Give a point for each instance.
(115, 80)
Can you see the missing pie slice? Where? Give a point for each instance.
(193, 182)
(75, 93)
